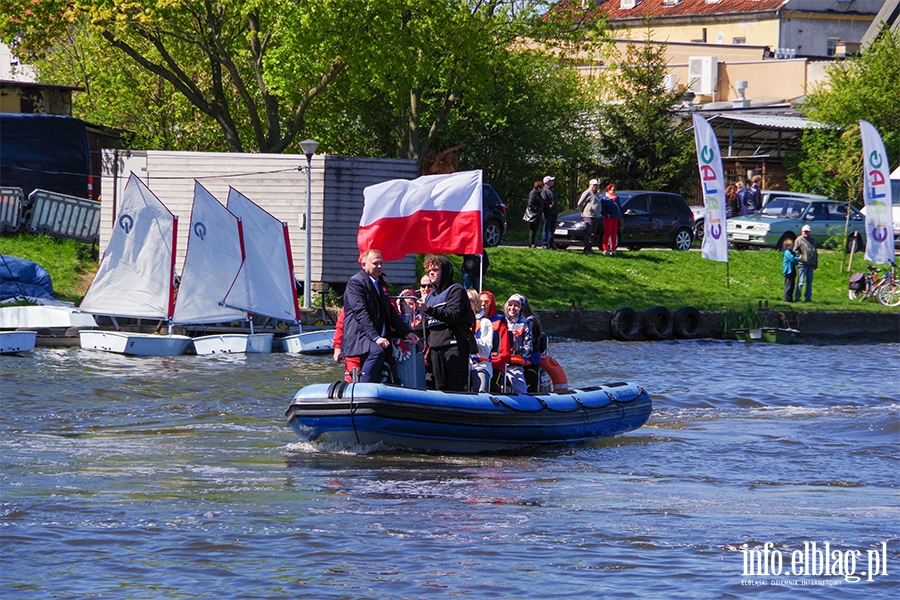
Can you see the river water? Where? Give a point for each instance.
(178, 478)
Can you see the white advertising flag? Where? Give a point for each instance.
(877, 192)
(712, 178)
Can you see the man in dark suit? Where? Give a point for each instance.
(370, 318)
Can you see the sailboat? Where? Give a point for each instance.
(265, 284)
(136, 277)
(215, 253)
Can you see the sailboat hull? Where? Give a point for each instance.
(12, 342)
(260, 343)
(311, 342)
(235, 343)
(135, 344)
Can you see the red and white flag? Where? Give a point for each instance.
(438, 214)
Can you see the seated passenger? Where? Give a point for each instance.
(523, 343)
(501, 350)
(480, 374)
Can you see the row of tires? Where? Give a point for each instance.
(658, 323)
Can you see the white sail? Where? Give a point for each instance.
(211, 263)
(135, 275)
(265, 283)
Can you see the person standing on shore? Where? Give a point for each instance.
(808, 262)
(550, 211)
(590, 205)
(533, 211)
(756, 192)
(789, 270)
(612, 212)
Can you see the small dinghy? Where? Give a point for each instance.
(434, 421)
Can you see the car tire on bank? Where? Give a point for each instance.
(658, 323)
(686, 322)
(625, 324)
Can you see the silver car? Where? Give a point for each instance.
(767, 196)
(782, 218)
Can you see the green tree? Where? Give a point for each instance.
(862, 88)
(641, 141)
(259, 62)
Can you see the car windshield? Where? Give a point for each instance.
(788, 208)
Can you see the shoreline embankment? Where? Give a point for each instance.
(585, 325)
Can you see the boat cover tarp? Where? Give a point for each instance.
(21, 277)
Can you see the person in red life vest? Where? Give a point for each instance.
(501, 347)
(523, 343)
(350, 362)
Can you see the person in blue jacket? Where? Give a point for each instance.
(789, 270)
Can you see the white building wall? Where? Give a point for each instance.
(274, 182)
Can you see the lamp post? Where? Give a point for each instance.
(309, 148)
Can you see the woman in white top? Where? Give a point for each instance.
(481, 371)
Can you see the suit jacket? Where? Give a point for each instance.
(368, 314)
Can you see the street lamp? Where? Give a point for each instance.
(309, 148)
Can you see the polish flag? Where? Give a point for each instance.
(438, 214)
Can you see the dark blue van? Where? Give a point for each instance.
(49, 152)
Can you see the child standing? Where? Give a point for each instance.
(789, 270)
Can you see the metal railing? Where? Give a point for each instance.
(11, 203)
(59, 215)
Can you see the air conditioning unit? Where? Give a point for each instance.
(703, 74)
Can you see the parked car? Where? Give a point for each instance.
(648, 219)
(767, 196)
(782, 218)
(493, 216)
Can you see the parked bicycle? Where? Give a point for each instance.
(868, 285)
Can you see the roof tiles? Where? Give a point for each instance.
(662, 8)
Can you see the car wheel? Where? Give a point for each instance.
(561, 246)
(683, 239)
(788, 236)
(854, 239)
(493, 232)
(698, 231)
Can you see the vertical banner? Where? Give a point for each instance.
(877, 192)
(712, 178)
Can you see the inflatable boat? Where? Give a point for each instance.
(348, 414)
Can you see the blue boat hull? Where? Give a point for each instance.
(433, 421)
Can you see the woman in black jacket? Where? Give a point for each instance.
(533, 211)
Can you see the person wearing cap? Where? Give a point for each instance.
(533, 211)
(805, 249)
(590, 205)
(551, 212)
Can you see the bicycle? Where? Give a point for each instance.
(888, 289)
(862, 285)
(868, 285)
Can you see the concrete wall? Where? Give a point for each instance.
(864, 326)
(274, 182)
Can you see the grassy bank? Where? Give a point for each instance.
(644, 278)
(553, 280)
(70, 263)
